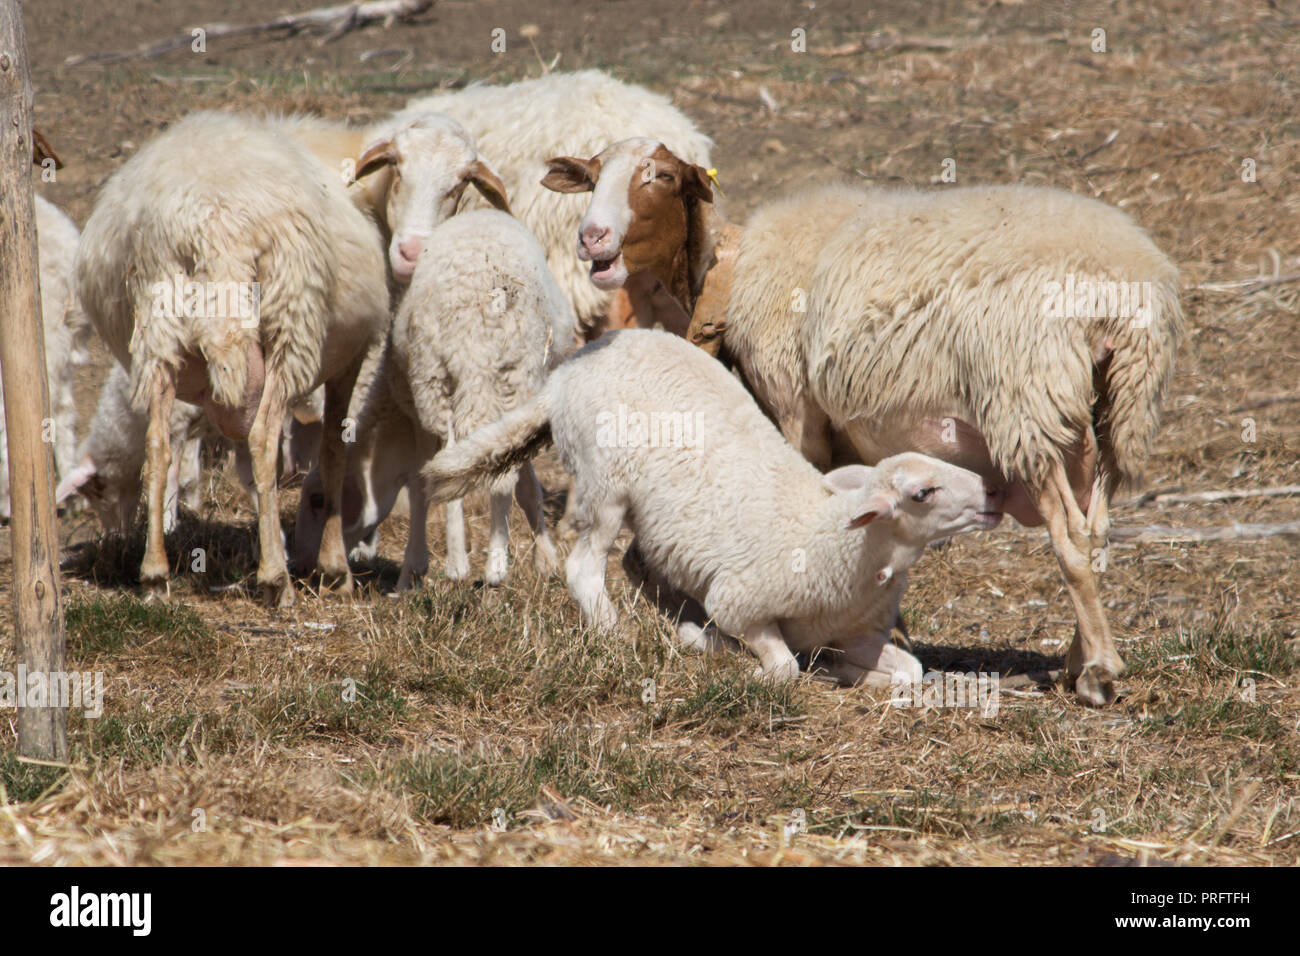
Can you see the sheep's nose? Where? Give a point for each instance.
(593, 234)
(410, 249)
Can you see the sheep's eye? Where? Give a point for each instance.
(665, 176)
(318, 501)
(923, 494)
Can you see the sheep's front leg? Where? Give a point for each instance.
(775, 662)
(415, 564)
(528, 492)
(874, 661)
(154, 569)
(585, 569)
(1092, 663)
(333, 557)
(264, 452)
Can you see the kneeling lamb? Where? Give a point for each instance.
(724, 510)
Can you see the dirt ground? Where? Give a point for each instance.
(487, 727)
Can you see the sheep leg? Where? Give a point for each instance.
(528, 492)
(1092, 663)
(585, 568)
(264, 451)
(333, 557)
(415, 564)
(154, 569)
(694, 632)
(457, 554)
(775, 662)
(498, 550)
(808, 428)
(875, 661)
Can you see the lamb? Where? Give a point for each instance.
(66, 331)
(110, 459)
(723, 509)
(476, 331)
(1021, 332)
(518, 125)
(112, 455)
(228, 264)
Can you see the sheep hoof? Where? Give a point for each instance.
(780, 674)
(277, 593)
(338, 583)
(1095, 686)
(458, 568)
(545, 560)
(410, 580)
(156, 589)
(495, 571)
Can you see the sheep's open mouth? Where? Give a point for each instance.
(991, 519)
(604, 268)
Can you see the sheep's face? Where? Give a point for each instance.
(924, 499)
(112, 495)
(430, 161)
(310, 523)
(637, 219)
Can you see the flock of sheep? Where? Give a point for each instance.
(870, 370)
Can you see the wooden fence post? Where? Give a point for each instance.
(38, 612)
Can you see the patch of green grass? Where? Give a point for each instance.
(366, 706)
(141, 738)
(1228, 717)
(1215, 651)
(1046, 759)
(490, 651)
(24, 782)
(466, 790)
(729, 700)
(109, 623)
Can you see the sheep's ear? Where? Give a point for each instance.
(571, 175)
(42, 150)
(696, 183)
(879, 504)
(375, 156)
(848, 478)
(489, 184)
(81, 480)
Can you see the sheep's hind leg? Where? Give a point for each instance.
(264, 450)
(1092, 663)
(585, 568)
(498, 550)
(875, 662)
(694, 633)
(528, 492)
(332, 559)
(415, 564)
(154, 569)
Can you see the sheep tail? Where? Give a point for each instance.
(1132, 381)
(490, 453)
(198, 295)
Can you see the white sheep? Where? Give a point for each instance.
(475, 333)
(227, 264)
(659, 435)
(519, 125)
(66, 331)
(110, 458)
(1025, 333)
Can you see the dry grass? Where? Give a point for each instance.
(488, 727)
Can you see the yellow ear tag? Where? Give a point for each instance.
(713, 175)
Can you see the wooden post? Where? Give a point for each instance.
(38, 613)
